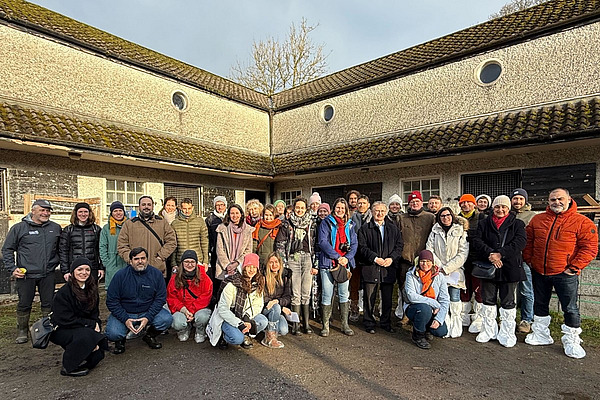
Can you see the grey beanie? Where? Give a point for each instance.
(219, 198)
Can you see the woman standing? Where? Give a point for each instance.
(484, 204)
(278, 297)
(500, 239)
(109, 256)
(238, 313)
(338, 244)
(81, 239)
(296, 244)
(427, 300)
(264, 235)
(279, 209)
(75, 312)
(254, 210)
(169, 210)
(234, 241)
(448, 243)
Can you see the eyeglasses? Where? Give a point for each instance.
(189, 262)
(445, 215)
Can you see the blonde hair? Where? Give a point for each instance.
(273, 278)
(253, 202)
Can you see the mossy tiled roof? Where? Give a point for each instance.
(22, 122)
(554, 123)
(517, 27)
(34, 17)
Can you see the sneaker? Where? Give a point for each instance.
(354, 316)
(524, 327)
(247, 343)
(199, 337)
(183, 335)
(421, 343)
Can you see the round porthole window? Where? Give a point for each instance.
(179, 101)
(489, 72)
(328, 113)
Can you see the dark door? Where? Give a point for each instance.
(255, 194)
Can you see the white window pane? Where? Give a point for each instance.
(131, 186)
(110, 197)
(120, 185)
(110, 184)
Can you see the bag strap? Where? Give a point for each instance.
(263, 240)
(504, 238)
(151, 230)
(187, 287)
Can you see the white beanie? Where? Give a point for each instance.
(314, 198)
(489, 199)
(501, 200)
(219, 198)
(396, 199)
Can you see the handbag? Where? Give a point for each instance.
(40, 332)
(340, 274)
(485, 269)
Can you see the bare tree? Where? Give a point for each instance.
(516, 5)
(276, 65)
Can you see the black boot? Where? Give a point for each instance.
(81, 371)
(247, 343)
(305, 319)
(22, 327)
(295, 326)
(418, 338)
(150, 338)
(222, 343)
(119, 347)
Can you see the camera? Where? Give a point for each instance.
(345, 247)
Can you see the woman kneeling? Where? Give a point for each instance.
(278, 297)
(427, 300)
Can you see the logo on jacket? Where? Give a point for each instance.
(34, 232)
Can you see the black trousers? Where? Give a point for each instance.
(26, 291)
(507, 290)
(369, 298)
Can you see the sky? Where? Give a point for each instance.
(214, 35)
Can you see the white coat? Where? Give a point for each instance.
(450, 251)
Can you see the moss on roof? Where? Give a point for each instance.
(20, 122)
(555, 123)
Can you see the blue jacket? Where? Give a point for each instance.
(327, 233)
(133, 292)
(413, 288)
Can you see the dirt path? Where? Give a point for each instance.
(381, 366)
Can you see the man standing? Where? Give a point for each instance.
(363, 213)
(362, 216)
(135, 300)
(415, 226)
(560, 243)
(35, 240)
(149, 231)
(469, 212)
(379, 248)
(191, 233)
(434, 203)
(518, 201)
(352, 198)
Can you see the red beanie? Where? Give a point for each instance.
(415, 195)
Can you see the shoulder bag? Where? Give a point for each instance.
(40, 332)
(485, 269)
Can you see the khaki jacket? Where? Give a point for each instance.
(192, 234)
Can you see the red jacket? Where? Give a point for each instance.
(178, 298)
(557, 241)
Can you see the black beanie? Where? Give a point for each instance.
(116, 205)
(189, 254)
(78, 262)
(82, 205)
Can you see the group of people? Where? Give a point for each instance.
(259, 270)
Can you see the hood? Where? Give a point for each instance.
(526, 207)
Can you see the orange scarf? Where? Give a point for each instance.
(427, 279)
(273, 227)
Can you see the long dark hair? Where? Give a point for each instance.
(345, 203)
(88, 296)
(258, 279)
(438, 219)
(91, 218)
(180, 280)
(227, 221)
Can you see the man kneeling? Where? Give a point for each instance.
(135, 299)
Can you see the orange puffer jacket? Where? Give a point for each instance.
(557, 241)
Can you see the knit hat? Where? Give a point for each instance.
(484, 196)
(520, 192)
(219, 198)
(426, 255)
(324, 206)
(251, 259)
(82, 205)
(395, 199)
(189, 254)
(42, 203)
(78, 262)
(415, 194)
(314, 198)
(501, 200)
(116, 205)
(467, 197)
(279, 201)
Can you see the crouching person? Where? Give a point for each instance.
(278, 297)
(427, 300)
(135, 299)
(188, 297)
(238, 313)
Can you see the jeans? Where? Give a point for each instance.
(26, 291)
(300, 263)
(507, 290)
(422, 317)
(116, 330)
(454, 293)
(277, 321)
(201, 318)
(233, 335)
(566, 287)
(526, 292)
(327, 289)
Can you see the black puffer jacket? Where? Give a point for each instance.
(212, 221)
(80, 241)
(282, 293)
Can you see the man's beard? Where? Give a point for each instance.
(140, 268)
(558, 208)
(146, 214)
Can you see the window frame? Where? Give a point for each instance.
(420, 179)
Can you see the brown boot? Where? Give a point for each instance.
(271, 341)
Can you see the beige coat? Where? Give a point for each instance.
(224, 249)
(192, 234)
(135, 234)
(449, 251)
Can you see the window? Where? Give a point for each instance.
(127, 192)
(290, 195)
(180, 192)
(491, 183)
(427, 187)
(179, 101)
(328, 113)
(489, 72)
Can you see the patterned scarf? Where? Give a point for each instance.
(241, 295)
(300, 225)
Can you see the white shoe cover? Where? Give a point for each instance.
(360, 300)
(466, 309)
(508, 324)
(571, 341)
(476, 319)
(184, 334)
(540, 332)
(489, 327)
(455, 326)
(399, 310)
